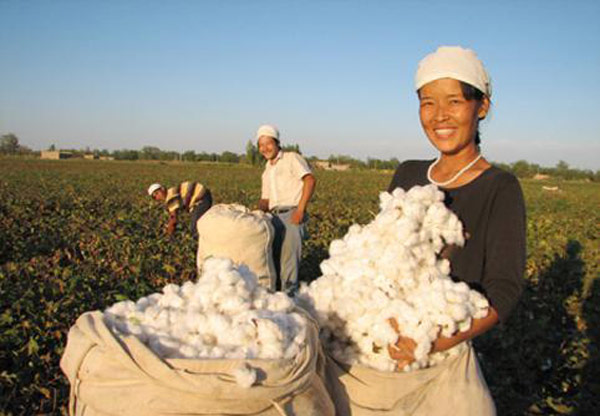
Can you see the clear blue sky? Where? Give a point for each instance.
(335, 76)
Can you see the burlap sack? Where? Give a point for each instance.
(119, 376)
(244, 236)
(455, 387)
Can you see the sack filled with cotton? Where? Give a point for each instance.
(386, 279)
(221, 345)
(233, 231)
(391, 269)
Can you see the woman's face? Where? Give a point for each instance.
(449, 120)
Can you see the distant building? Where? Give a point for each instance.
(107, 158)
(90, 156)
(55, 154)
(541, 176)
(326, 165)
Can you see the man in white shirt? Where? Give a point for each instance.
(287, 186)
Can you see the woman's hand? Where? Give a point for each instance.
(403, 351)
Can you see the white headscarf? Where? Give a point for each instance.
(454, 62)
(267, 130)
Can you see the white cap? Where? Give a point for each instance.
(453, 62)
(267, 130)
(153, 188)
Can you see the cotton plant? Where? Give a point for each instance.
(225, 314)
(392, 268)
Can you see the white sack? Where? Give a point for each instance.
(244, 236)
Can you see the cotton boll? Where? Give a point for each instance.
(188, 351)
(443, 266)
(164, 346)
(268, 332)
(449, 329)
(464, 325)
(142, 303)
(171, 289)
(279, 302)
(233, 304)
(383, 333)
(337, 247)
(171, 299)
(454, 296)
(187, 290)
(216, 352)
(478, 300)
(209, 339)
(480, 313)
(121, 308)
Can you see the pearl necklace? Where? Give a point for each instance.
(455, 177)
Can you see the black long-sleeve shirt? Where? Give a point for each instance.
(492, 211)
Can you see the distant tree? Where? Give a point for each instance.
(562, 165)
(347, 160)
(189, 156)
(562, 169)
(503, 166)
(52, 148)
(169, 155)
(292, 148)
(229, 157)
(252, 154)
(150, 153)
(9, 144)
(522, 169)
(126, 154)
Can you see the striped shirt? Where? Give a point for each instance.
(187, 195)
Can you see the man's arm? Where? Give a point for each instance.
(308, 188)
(172, 222)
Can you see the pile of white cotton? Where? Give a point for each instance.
(226, 314)
(390, 268)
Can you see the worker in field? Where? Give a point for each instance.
(189, 196)
(287, 187)
(454, 93)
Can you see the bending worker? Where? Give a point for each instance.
(287, 186)
(191, 196)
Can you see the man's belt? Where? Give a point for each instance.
(282, 210)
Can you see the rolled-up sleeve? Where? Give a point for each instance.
(300, 166)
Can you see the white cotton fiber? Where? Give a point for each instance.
(225, 314)
(245, 376)
(391, 268)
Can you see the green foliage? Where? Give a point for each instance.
(292, 148)
(9, 145)
(525, 170)
(77, 236)
(253, 157)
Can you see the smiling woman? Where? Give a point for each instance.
(454, 94)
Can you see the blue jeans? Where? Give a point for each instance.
(287, 251)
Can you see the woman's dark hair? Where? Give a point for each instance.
(472, 93)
